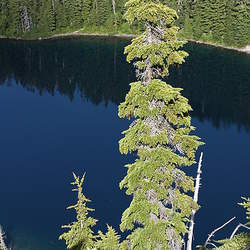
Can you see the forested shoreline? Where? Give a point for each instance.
(161, 135)
(223, 22)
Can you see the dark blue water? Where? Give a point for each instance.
(58, 108)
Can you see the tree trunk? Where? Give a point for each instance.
(26, 21)
(114, 11)
(113, 7)
(196, 193)
(53, 5)
(148, 75)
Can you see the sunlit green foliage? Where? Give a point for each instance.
(79, 234)
(246, 205)
(108, 241)
(239, 242)
(159, 135)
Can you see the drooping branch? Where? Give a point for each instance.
(196, 194)
(216, 230)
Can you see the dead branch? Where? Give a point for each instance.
(216, 230)
(237, 228)
(196, 194)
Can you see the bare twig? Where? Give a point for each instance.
(237, 228)
(196, 194)
(212, 244)
(216, 230)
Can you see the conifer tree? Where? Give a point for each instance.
(80, 235)
(51, 16)
(108, 241)
(61, 18)
(3, 16)
(14, 17)
(188, 27)
(206, 18)
(86, 8)
(229, 34)
(241, 23)
(77, 13)
(103, 8)
(159, 134)
(69, 11)
(34, 8)
(47, 20)
(218, 20)
(197, 30)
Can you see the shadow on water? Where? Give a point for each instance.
(97, 69)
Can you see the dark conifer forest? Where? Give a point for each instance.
(160, 141)
(224, 22)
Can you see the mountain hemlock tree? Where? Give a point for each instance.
(159, 134)
(80, 235)
(108, 241)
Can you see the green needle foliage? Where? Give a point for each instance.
(80, 235)
(246, 205)
(239, 242)
(108, 241)
(160, 134)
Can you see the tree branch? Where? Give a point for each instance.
(237, 228)
(216, 230)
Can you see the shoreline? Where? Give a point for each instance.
(245, 50)
(70, 34)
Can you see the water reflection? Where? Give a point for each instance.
(44, 139)
(95, 68)
(216, 81)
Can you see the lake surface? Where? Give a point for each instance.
(58, 109)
